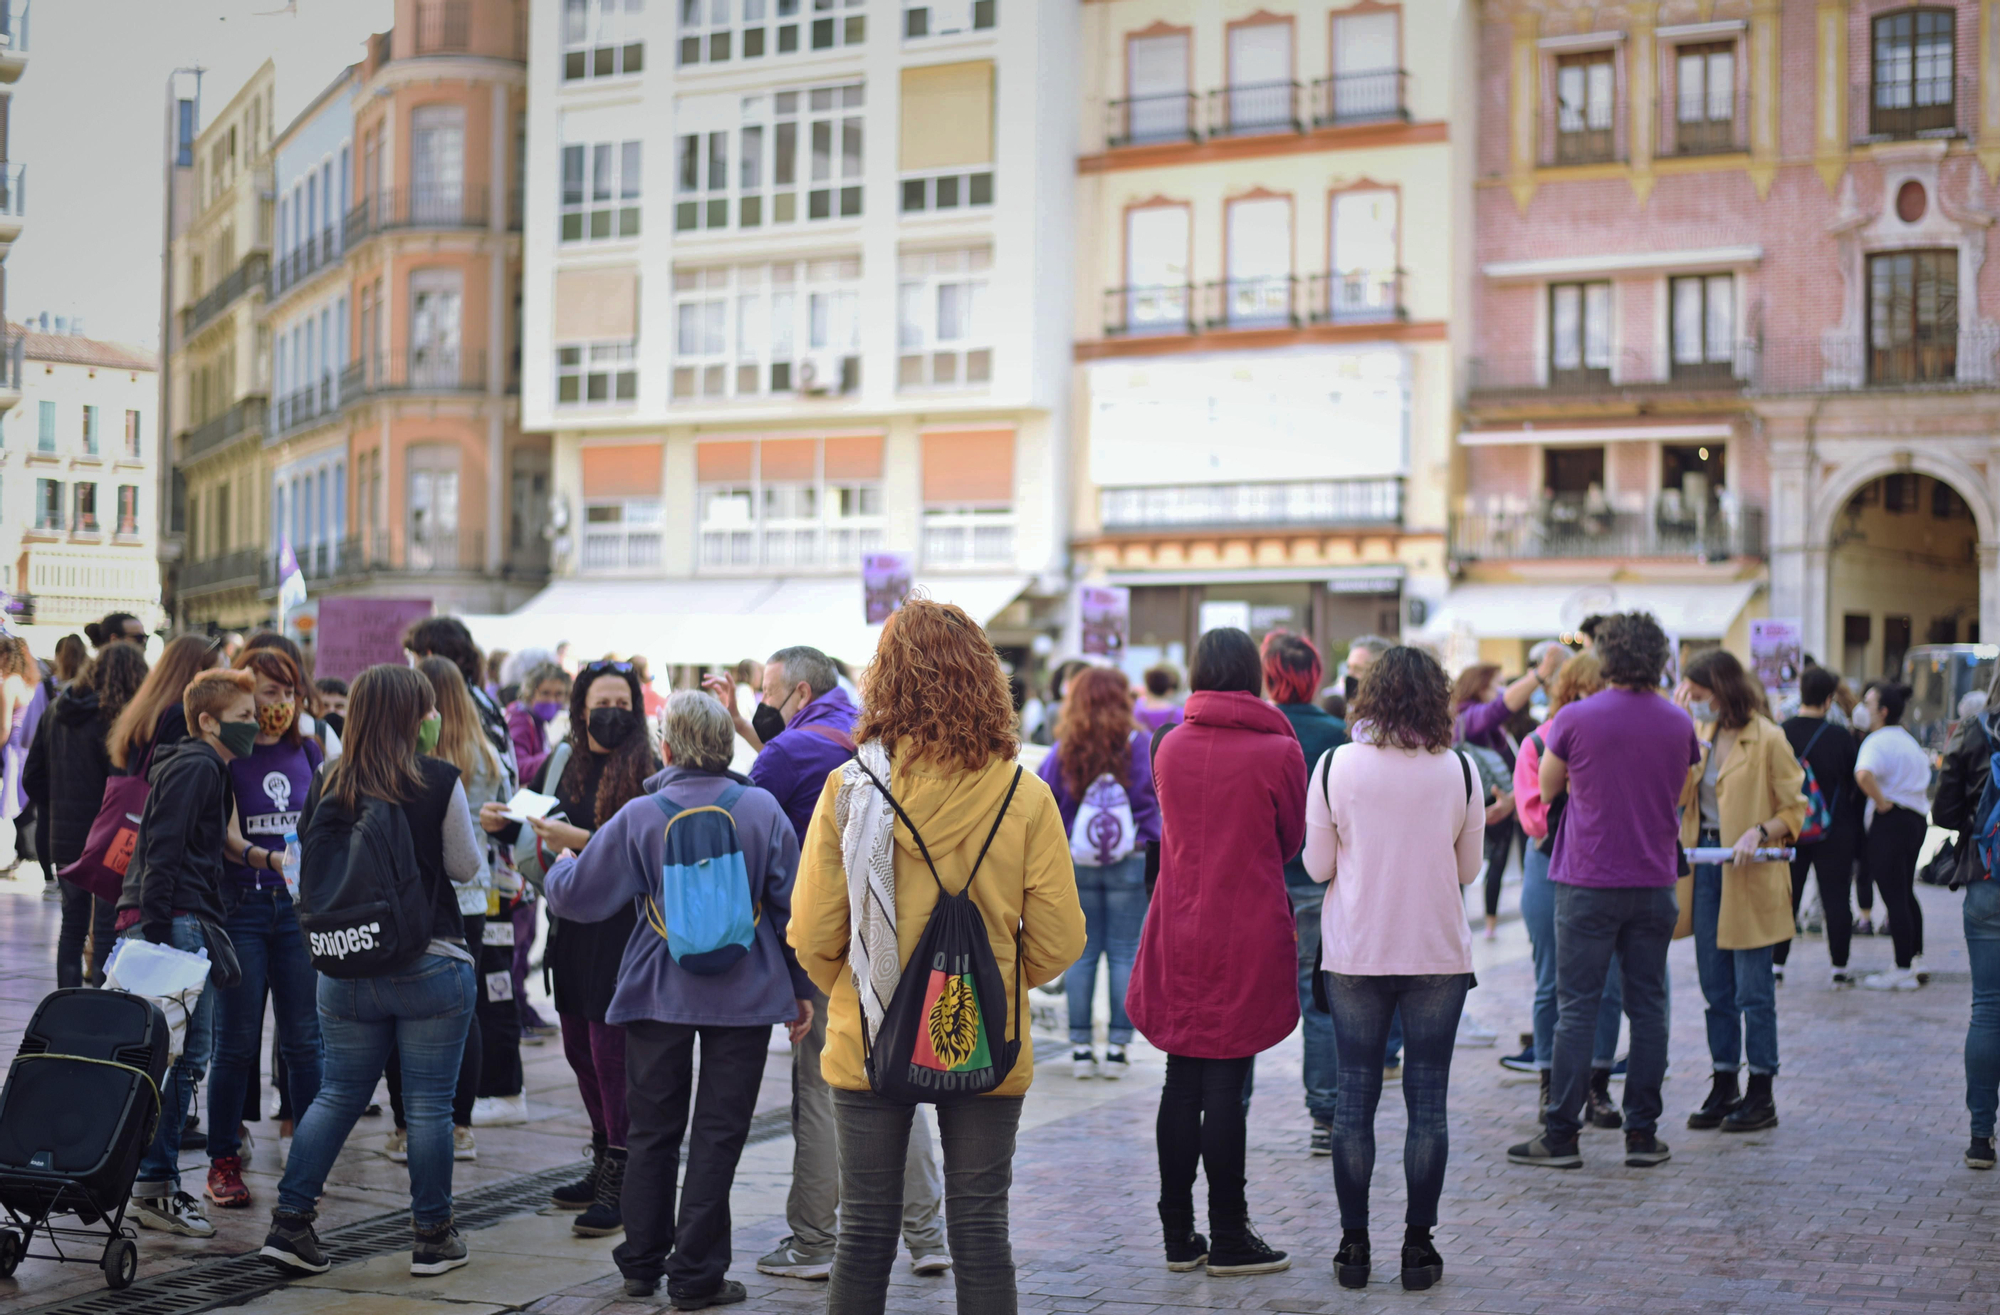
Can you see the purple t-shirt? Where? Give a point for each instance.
(269, 786)
(1628, 752)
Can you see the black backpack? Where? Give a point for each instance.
(361, 902)
(944, 1033)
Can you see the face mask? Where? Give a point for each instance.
(1702, 710)
(276, 718)
(547, 710)
(1352, 686)
(611, 727)
(1861, 717)
(239, 737)
(427, 734)
(767, 721)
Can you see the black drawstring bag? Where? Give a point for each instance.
(944, 1033)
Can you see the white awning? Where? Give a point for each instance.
(718, 621)
(1538, 611)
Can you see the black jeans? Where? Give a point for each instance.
(1500, 838)
(1201, 1123)
(499, 1016)
(83, 915)
(659, 1080)
(1592, 922)
(1831, 860)
(1893, 841)
(1362, 1008)
(977, 1138)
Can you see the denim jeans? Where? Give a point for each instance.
(159, 1168)
(977, 1137)
(1114, 909)
(1538, 913)
(1739, 986)
(1201, 1124)
(1430, 1006)
(1592, 923)
(423, 1014)
(1321, 1069)
(272, 953)
(1982, 1036)
(83, 915)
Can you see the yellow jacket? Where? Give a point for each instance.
(1026, 884)
(1760, 780)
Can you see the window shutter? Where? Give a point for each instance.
(947, 116)
(856, 458)
(974, 468)
(787, 460)
(624, 470)
(597, 305)
(723, 463)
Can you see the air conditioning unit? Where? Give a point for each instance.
(819, 374)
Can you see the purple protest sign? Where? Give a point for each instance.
(886, 578)
(354, 634)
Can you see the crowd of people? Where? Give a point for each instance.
(1269, 851)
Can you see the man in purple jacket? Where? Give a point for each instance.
(805, 722)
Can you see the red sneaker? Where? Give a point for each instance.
(225, 1183)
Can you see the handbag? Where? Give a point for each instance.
(529, 859)
(114, 833)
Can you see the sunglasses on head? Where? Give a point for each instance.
(622, 668)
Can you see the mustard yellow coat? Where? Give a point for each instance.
(1760, 780)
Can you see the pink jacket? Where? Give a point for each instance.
(1529, 806)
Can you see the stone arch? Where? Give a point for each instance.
(1832, 498)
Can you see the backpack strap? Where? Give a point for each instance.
(917, 835)
(1465, 769)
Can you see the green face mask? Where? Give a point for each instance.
(239, 737)
(427, 734)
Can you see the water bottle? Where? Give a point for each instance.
(292, 859)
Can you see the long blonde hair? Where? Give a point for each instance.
(461, 740)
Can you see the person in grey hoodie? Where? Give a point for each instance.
(665, 1008)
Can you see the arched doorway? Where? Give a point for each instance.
(1902, 570)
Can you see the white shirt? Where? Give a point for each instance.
(1901, 768)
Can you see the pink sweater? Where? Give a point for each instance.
(1396, 836)
(1529, 806)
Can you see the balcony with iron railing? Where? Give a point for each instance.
(1701, 127)
(244, 419)
(1321, 503)
(1604, 375)
(968, 537)
(232, 570)
(1270, 301)
(1253, 108)
(251, 272)
(307, 406)
(1152, 120)
(1372, 97)
(444, 27)
(13, 356)
(1590, 526)
(420, 207)
(13, 39)
(1943, 106)
(420, 370)
(13, 199)
(319, 251)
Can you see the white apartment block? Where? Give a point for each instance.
(797, 287)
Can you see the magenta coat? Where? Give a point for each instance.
(1217, 975)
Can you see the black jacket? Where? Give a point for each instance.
(177, 860)
(67, 768)
(1961, 782)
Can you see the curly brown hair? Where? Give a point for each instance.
(1094, 730)
(935, 689)
(1405, 700)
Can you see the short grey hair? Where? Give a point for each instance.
(698, 731)
(802, 662)
(1375, 644)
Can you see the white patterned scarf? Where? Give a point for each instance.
(868, 851)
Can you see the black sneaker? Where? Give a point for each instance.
(1979, 1155)
(1322, 1138)
(293, 1246)
(437, 1251)
(1422, 1265)
(1643, 1150)
(1521, 1063)
(1241, 1251)
(1351, 1265)
(641, 1287)
(728, 1294)
(1190, 1252)
(1545, 1153)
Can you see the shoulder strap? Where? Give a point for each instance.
(557, 763)
(1812, 739)
(917, 835)
(1535, 738)
(1465, 770)
(1325, 767)
(726, 801)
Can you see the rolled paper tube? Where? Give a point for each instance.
(1719, 854)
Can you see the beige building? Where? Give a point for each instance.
(1271, 239)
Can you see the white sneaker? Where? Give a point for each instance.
(499, 1111)
(247, 1141)
(930, 1263)
(397, 1145)
(1082, 1063)
(1113, 1069)
(1922, 974)
(1471, 1032)
(1896, 979)
(463, 1147)
(179, 1213)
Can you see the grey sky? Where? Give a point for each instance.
(88, 122)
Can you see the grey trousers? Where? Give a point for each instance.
(1592, 922)
(815, 1196)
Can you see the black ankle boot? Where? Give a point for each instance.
(604, 1216)
(1186, 1249)
(1350, 1263)
(1422, 1266)
(1600, 1110)
(1722, 1098)
(579, 1194)
(1756, 1110)
(1542, 1101)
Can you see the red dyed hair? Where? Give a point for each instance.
(935, 690)
(1094, 731)
(276, 666)
(1292, 668)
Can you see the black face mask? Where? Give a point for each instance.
(1351, 684)
(767, 721)
(611, 727)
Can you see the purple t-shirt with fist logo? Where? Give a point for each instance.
(268, 786)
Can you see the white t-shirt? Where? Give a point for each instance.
(1900, 766)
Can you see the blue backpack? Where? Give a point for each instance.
(703, 909)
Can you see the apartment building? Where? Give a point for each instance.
(13, 189)
(77, 509)
(796, 290)
(1731, 358)
(1271, 243)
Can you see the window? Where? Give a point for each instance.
(1262, 96)
(1579, 333)
(437, 164)
(1913, 317)
(1158, 106)
(1156, 292)
(132, 437)
(1364, 283)
(1584, 103)
(1704, 324)
(968, 498)
(48, 504)
(596, 335)
(789, 502)
(433, 507)
(45, 430)
(1705, 98)
(942, 337)
(1572, 472)
(1912, 90)
(1367, 82)
(808, 140)
(600, 191)
(944, 18)
(945, 152)
(623, 515)
(750, 330)
(90, 431)
(85, 520)
(1258, 291)
(434, 329)
(597, 372)
(602, 38)
(714, 31)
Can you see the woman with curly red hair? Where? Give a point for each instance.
(1101, 774)
(939, 730)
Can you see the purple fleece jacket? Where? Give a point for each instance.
(793, 766)
(623, 862)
